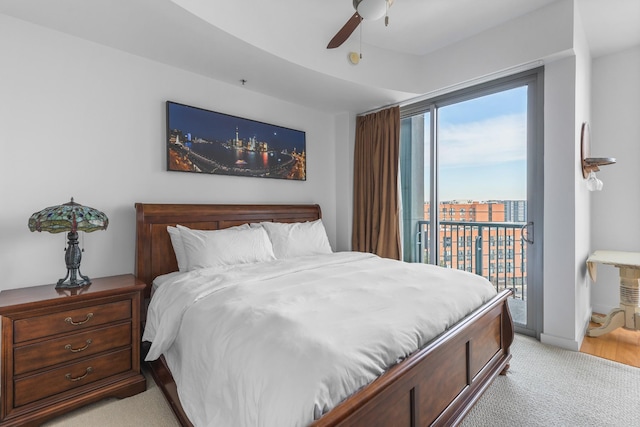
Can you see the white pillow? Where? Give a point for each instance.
(178, 246)
(298, 238)
(230, 246)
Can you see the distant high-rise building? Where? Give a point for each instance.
(469, 210)
(515, 210)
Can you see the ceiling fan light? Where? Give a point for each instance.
(371, 9)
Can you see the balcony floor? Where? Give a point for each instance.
(518, 310)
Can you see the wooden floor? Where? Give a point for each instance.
(621, 345)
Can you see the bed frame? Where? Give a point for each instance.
(436, 385)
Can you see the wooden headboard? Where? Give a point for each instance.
(154, 253)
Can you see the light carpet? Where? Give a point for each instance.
(148, 408)
(549, 386)
(545, 386)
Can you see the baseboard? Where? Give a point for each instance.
(572, 345)
(585, 327)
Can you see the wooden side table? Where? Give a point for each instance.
(628, 314)
(62, 349)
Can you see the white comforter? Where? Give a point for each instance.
(281, 343)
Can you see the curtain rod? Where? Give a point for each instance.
(471, 82)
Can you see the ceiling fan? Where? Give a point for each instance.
(365, 9)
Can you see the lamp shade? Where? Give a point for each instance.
(69, 217)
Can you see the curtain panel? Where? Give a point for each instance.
(376, 226)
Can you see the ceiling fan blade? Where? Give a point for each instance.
(344, 33)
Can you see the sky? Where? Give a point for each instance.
(482, 151)
(222, 127)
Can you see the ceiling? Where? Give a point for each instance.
(279, 47)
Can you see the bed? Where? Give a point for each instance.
(435, 385)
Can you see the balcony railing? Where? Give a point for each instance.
(494, 250)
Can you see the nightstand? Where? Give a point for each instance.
(62, 349)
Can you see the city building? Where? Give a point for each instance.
(481, 237)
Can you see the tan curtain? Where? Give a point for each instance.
(375, 184)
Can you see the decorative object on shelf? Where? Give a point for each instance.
(593, 183)
(590, 165)
(70, 217)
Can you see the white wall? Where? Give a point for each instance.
(615, 132)
(582, 195)
(559, 203)
(512, 44)
(345, 147)
(83, 120)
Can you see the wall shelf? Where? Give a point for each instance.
(590, 164)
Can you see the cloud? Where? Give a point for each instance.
(493, 141)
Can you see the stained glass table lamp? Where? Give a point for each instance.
(70, 217)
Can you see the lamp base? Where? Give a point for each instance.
(72, 257)
(72, 282)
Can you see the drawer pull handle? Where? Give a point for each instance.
(76, 350)
(88, 370)
(70, 321)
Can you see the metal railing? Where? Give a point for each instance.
(494, 250)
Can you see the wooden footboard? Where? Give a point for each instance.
(440, 383)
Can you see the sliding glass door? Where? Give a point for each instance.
(471, 181)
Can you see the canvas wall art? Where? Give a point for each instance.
(209, 142)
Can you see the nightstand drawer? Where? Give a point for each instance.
(70, 321)
(71, 347)
(40, 386)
